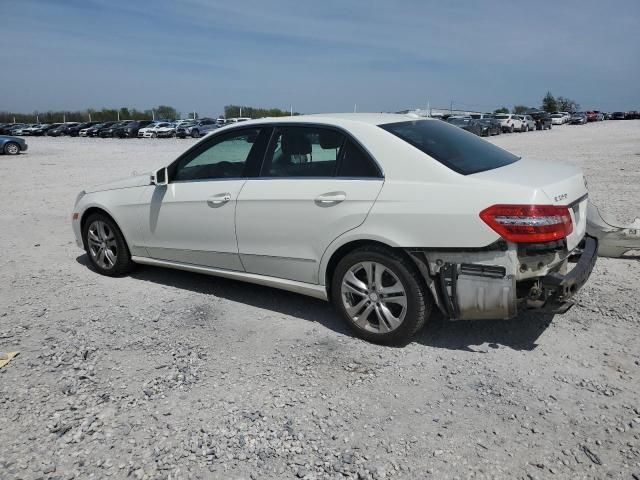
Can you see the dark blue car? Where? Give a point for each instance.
(12, 145)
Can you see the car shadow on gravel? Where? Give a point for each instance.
(520, 333)
(275, 300)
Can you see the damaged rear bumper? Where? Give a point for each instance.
(559, 288)
(486, 284)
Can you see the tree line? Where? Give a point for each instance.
(549, 104)
(236, 111)
(164, 112)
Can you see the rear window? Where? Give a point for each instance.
(455, 148)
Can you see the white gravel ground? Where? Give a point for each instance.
(166, 374)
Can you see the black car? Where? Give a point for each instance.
(542, 119)
(93, 131)
(468, 124)
(130, 129)
(75, 130)
(632, 115)
(618, 116)
(62, 129)
(108, 131)
(111, 130)
(490, 126)
(44, 128)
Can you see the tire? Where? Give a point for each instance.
(195, 134)
(511, 129)
(396, 271)
(100, 233)
(154, 135)
(11, 148)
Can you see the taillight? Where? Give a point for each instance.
(529, 223)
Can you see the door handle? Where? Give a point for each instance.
(330, 199)
(218, 200)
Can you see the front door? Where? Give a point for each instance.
(191, 220)
(315, 185)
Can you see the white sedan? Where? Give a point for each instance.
(557, 119)
(157, 130)
(384, 215)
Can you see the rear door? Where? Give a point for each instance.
(315, 184)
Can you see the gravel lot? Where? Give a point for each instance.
(167, 374)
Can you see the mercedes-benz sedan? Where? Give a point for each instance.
(383, 215)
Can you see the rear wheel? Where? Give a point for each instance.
(11, 148)
(105, 246)
(195, 133)
(380, 295)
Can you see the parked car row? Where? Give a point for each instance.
(121, 129)
(482, 124)
(485, 125)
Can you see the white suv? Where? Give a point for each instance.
(385, 215)
(509, 123)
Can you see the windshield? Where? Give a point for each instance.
(461, 151)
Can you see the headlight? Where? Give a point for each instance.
(79, 197)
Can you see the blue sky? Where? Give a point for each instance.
(318, 56)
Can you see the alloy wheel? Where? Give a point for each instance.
(374, 297)
(12, 148)
(102, 244)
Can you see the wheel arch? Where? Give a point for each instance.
(96, 209)
(331, 259)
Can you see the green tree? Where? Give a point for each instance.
(125, 114)
(567, 105)
(520, 109)
(549, 103)
(501, 110)
(166, 112)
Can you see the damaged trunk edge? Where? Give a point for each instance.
(502, 279)
(613, 240)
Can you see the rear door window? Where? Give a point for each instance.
(303, 152)
(354, 162)
(461, 151)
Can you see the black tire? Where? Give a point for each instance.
(123, 263)
(511, 129)
(418, 301)
(195, 133)
(11, 148)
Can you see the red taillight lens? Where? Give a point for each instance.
(529, 223)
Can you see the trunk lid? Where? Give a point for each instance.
(561, 184)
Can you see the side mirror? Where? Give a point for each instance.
(160, 177)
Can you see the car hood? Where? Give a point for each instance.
(129, 182)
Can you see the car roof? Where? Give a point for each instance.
(336, 119)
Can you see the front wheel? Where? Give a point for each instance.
(195, 134)
(105, 246)
(11, 148)
(380, 295)
(511, 129)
